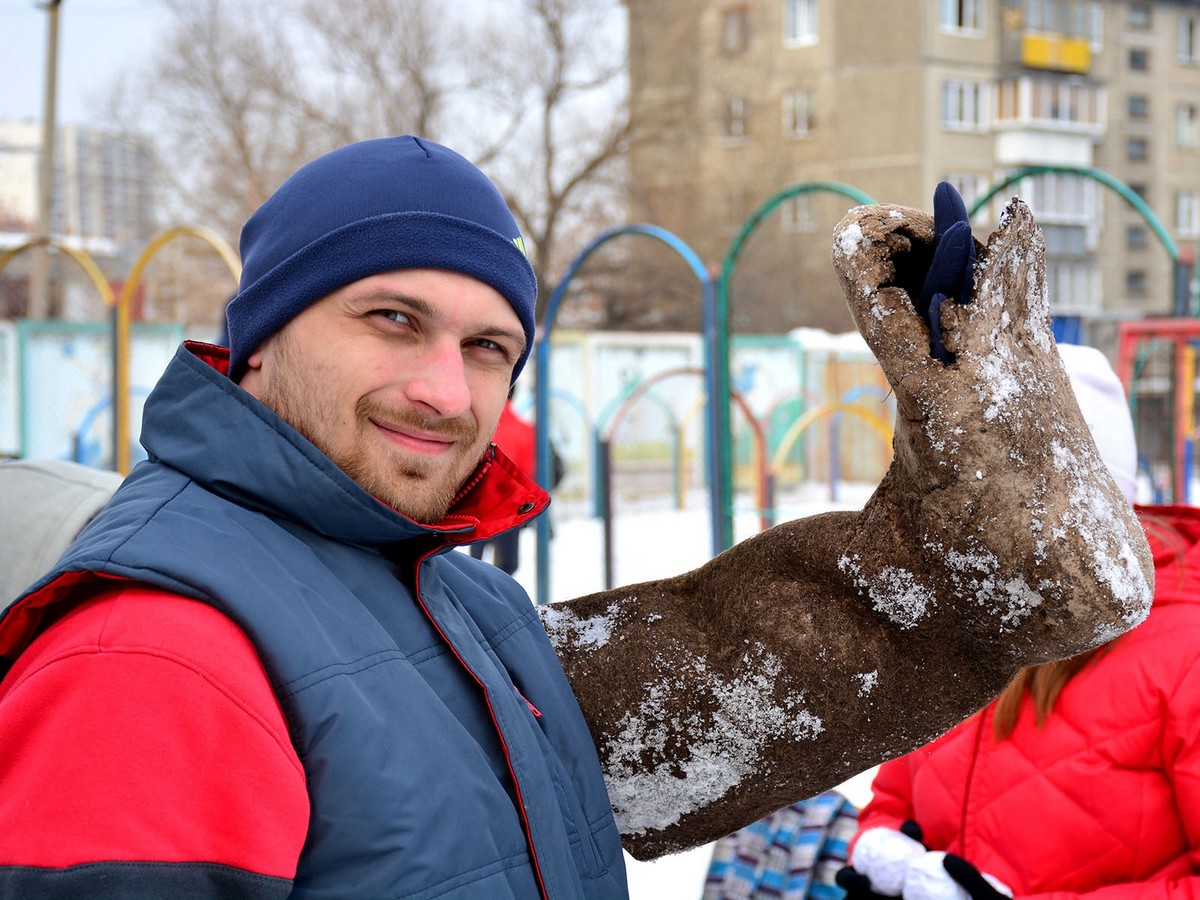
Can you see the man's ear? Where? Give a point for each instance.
(251, 380)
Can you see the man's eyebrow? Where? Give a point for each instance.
(423, 308)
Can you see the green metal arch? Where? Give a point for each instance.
(723, 428)
(1118, 187)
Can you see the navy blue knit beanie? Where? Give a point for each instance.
(372, 207)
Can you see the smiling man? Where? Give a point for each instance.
(399, 378)
(259, 673)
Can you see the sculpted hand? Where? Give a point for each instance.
(810, 652)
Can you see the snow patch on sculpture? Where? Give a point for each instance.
(849, 240)
(1091, 514)
(867, 682)
(893, 591)
(567, 629)
(721, 750)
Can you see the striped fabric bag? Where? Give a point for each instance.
(792, 854)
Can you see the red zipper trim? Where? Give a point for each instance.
(537, 868)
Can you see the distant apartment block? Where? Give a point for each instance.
(103, 195)
(749, 97)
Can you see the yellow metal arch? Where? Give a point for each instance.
(882, 428)
(80, 256)
(123, 323)
(121, 336)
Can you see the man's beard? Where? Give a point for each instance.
(421, 488)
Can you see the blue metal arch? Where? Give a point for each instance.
(542, 391)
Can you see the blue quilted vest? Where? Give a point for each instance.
(440, 738)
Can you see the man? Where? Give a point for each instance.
(258, 672)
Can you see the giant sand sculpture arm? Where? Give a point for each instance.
(822, 646)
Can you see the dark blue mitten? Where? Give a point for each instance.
(950, 272)
(975, 883)
(857, 885)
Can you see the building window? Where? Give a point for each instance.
(1136, 237)
(1137, 149)
(1142, 190)
(734, 117)
(1188, 49)
(799, 22)
(1061, 198)
(962, 105)
(962, 16)
(1187, 126)
(796, 214)
(798, 113)
(735, 30)
(1093, 15)
(1135, 282)
(1072, 285)
(1139, 59)
(1187, 214)
(1055, 101)
(1138, 106)
(970, 187)
(1139, 16)
(1070, 18)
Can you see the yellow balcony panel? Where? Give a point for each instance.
(1060, 54)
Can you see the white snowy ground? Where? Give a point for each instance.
(656, 543)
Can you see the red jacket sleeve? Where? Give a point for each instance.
(142, 727)
(891, 799)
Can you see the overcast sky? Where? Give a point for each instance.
(98, 39)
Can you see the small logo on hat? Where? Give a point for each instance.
(520, 242)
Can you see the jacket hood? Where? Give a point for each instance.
(258, 460)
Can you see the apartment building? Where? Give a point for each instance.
(102, 200)
(742, 99)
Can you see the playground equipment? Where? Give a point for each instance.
(714, 298)
(718, 468)
(1161, 390)
(604, 456)
(119, 305)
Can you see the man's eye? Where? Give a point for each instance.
(395, 315)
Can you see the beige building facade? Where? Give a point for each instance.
(746, 99)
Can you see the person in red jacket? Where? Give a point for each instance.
(1082, 779)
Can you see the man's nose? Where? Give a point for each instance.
(441, 380)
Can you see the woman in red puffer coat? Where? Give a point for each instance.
(1081, 779)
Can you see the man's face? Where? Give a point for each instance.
(399, 378)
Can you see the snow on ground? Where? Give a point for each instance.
(655, 543)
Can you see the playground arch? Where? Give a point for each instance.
(642, 390)
(120, 307)
(721, 426)
(717, 466)
(1122, 190)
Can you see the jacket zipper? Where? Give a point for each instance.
(537, 868)
(966, 804)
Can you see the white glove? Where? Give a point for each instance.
(884, 855)
(927, 879)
